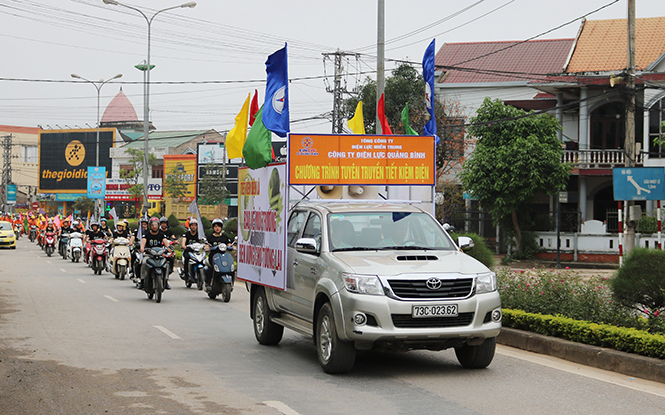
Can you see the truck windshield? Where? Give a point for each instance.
(386, 230)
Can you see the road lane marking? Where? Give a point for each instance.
(63, 270)
(281, 407)
(112, 299)
(167, 332)
(626, 381)
(80, 280)
(49, 262)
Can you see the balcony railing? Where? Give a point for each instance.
(589, 159)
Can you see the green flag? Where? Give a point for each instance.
(405, 121)
(258, 146)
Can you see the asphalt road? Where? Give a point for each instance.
(73, 342)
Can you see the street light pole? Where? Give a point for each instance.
(146, 90)
(98, 86)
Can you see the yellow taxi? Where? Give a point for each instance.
(7, 236)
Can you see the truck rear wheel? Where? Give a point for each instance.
(265, 331)
(476, 357)
(335, 355)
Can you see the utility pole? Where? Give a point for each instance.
(380, 58)
(630, 119)
(7, 168)
(338, 90)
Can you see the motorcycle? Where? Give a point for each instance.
(75, 246)
(18, 230)
(154, 282)
(222, 272)
(196, 274)
(98, 255)
(33, 233)
(62, 244)
(49, 243)
(120, 257)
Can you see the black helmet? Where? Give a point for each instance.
(163, 220)
(143, 219)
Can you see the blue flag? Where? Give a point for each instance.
(276, 108)
(428, 74)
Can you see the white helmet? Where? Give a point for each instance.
(75, 223)
(193, 222)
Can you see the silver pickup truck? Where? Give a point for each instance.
(384, 276)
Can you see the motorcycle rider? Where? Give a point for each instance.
(105, 228)
(90, 235)
(164, 227)
(65, 228)
(215, 239)
(120, 232)
(188, 238)
(134, 240)
(154, 237)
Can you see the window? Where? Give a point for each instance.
(313, 229)
(158, 171)
(29, 154)
(296, 222)
(656, 118)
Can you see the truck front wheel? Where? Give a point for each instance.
(335, 355)
(476, 357)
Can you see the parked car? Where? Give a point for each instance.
(384, 276)
(7, 235)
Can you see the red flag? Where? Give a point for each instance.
(381, 111)
(254, 108)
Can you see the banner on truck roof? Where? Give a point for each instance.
(262, 198)
(361, 160)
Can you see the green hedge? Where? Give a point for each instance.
(618, 338)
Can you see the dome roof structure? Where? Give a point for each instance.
(119, 110)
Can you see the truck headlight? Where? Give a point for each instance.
(485, 283)
(363, 284)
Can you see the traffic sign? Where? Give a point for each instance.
(639, 183)
(35, 205)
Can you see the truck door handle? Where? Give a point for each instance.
(295, 262)
(313, 270)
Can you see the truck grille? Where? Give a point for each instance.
(406, 321)
(457, 288)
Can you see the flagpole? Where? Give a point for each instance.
(380, 61)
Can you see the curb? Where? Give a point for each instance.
(607, 359)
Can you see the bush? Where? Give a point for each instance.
(619, 338)
(640, 282)
(206, 223)
(178, 231)
(173, 221)
(647, 224)
(231, 228)
(529, 247)
(564, 293)
(480, 251)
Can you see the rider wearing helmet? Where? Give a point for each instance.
(104, 227)
(90, 235)
(217, 238)
(64, 229)
(152, 238)
(164, 227)
(190, 237)
(121, 231)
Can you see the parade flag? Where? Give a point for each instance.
(254, 108)
(56, 221)
(405, 121)
(139, 234)
(194, 210)
(428, 75)
(276, 106)
(381, 111)
(235, 140)
(258, 146)
(114, 217)
(357, 123)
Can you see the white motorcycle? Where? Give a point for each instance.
(75, 246)
(120, 258)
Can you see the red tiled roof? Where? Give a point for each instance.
(19, 130)
(119, 109)
(523, 59)
(602, 44)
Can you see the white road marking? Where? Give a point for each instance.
(167, 332)
(49, 262)
(642, 385)
(63, 270)
(281, 407)
(111, 298)
(80, 280)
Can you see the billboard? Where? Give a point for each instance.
(262, 225)
(117, 189)
(361, 160)
(184, 164)
(96, 182)
(65, 155)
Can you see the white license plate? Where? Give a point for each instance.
(424, 311)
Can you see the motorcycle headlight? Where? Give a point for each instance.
(485, 283)
(363, 284)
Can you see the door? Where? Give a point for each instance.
(295, 226)
(306, 270)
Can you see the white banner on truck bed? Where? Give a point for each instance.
(262, 213)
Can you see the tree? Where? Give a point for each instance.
(174, 183)
(84, 205)
(515, 158)
(133, 175)
(212, 186)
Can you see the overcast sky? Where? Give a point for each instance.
(228, 42)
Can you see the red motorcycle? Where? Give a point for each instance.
(49, 243)
(98, 255)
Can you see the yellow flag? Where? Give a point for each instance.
(357, 123)
(235, 140)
